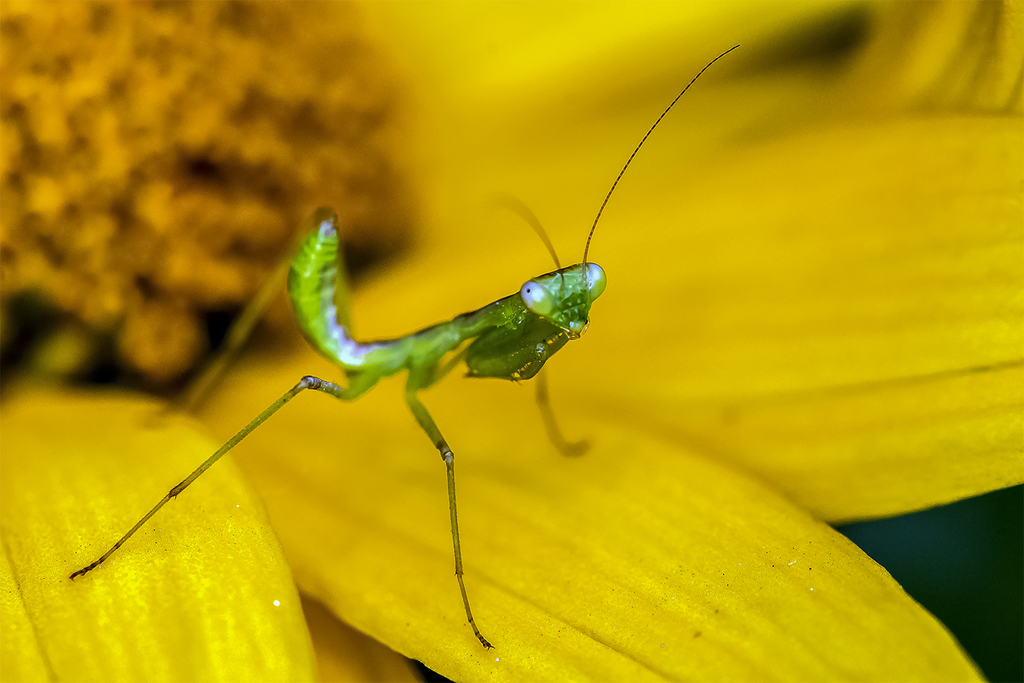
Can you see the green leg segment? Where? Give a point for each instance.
(418, 379)
(358, 384)
(570, 449)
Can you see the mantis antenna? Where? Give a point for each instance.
(586, 250)
(518, 207)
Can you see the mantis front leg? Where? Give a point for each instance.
(418, 379)
(570, 449)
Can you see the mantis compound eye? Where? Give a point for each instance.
(596, 280)
(537, 298)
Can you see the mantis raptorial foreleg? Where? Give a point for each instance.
(569, 449)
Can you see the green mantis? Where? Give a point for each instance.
(510, 339)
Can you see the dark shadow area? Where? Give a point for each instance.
(965, 564)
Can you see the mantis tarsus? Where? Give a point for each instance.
(511, 338)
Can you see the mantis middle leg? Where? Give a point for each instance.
(420, 378)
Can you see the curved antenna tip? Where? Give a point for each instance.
(586, 249)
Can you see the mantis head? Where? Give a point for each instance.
(563, 297)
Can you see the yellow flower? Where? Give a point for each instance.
(156, 158)
(813, 316)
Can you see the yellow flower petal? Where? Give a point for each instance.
(860, 349)
(201, 593)
(344, 654)
(21, 658)
(639, 561)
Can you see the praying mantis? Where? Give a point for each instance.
(510, 339)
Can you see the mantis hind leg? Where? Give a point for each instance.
(358, 384)
(241, 329)
(419, 379)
